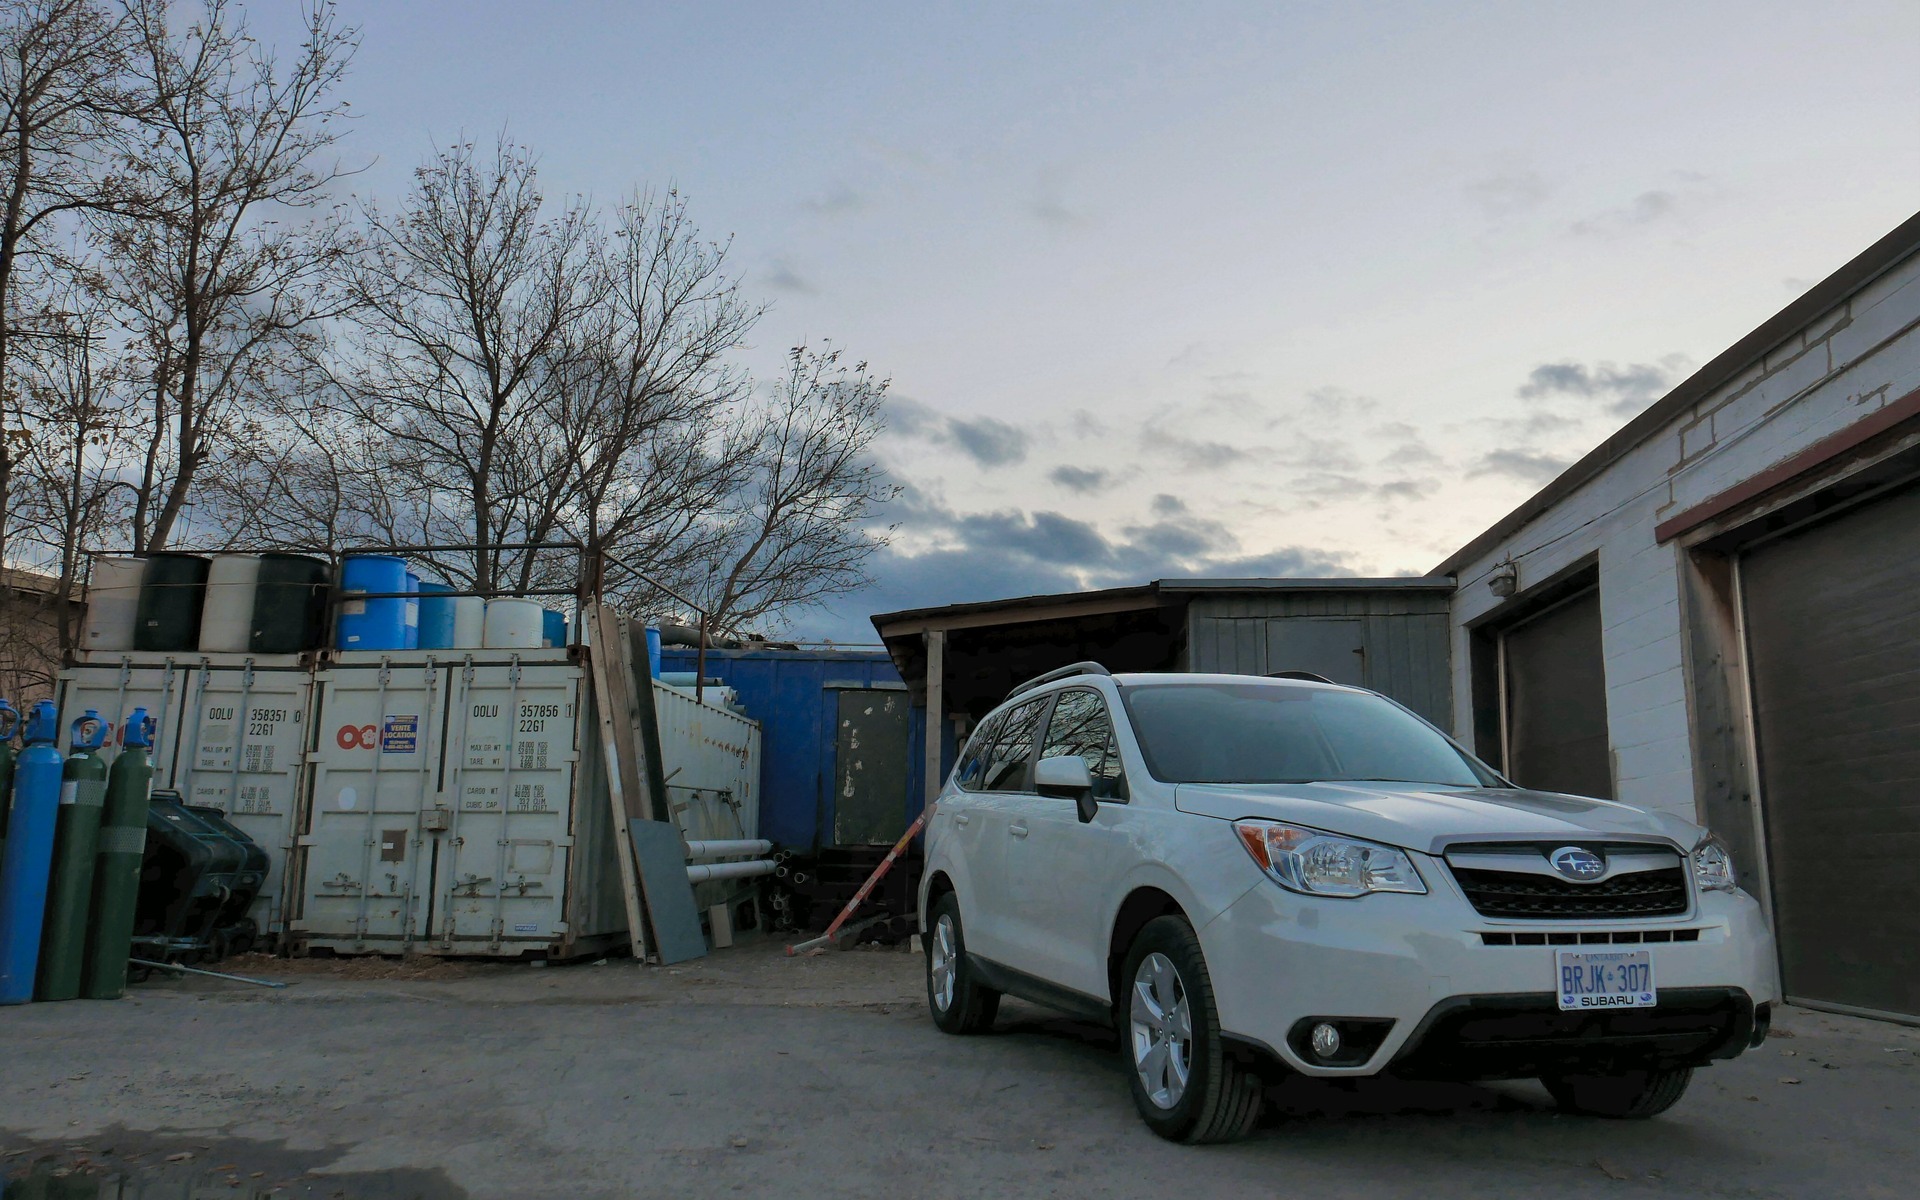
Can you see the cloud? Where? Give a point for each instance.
(1194, 455)
(839, 199)
(988, 442)
(1085, 480)
(782, 277)
(1641, 211)
(1508, 193)
(1623, 390)
(941, 556)
(1524, 465)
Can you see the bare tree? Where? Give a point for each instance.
(59, 66)
(797, 533)
(70, 494)
(213, 270)
(467, 301)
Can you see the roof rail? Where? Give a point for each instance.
(1068, 671)
(1309, 676)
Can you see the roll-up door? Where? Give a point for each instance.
(1556, 700)
(1833, 643)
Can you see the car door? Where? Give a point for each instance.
(1060, 873)
(1005, 767)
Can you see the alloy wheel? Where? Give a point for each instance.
(942, 963)
(1162, 1030)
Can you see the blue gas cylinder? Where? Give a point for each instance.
(29, 853)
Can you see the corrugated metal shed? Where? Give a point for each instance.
(1391, 639)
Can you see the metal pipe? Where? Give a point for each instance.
(704, 872)
(715, 848)
(164, 966)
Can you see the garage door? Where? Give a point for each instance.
(1833, 635)
(1556, 700)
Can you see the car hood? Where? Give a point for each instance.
(1427, 817)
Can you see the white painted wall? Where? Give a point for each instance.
(1838, 369)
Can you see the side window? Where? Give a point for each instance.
(1081, 727)
(1009, 769)
(972, 769)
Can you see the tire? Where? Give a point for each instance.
(958, 1001)
(1220, 1098)
(1622, 1096)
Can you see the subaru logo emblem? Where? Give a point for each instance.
(1581, 866)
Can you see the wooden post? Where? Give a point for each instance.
(936, 708)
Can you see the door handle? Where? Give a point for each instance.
(1017, 829)
(961, 818)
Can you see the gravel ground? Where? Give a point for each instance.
(749, 1073)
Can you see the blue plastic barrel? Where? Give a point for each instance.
(436, 616)
(553, 628)
(653, 651)
(372, 624)
(413, 613)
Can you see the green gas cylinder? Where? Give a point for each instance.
(76, 842)
(116, 873)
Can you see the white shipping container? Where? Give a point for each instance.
(457, 807)
(710, 756)
(232, 735)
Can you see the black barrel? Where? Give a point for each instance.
(290, 605)
(171, 595)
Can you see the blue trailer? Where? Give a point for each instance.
(841, 744)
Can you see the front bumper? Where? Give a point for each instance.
(1445, 993)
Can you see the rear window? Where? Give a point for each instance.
(1272, 733)
(1009, 764)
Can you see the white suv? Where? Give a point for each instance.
(1257, 875)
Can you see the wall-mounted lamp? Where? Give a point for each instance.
(1505, 579)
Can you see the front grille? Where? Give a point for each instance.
(1514, 894)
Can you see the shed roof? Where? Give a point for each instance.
(1871, 263)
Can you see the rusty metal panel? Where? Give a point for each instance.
(871, 769)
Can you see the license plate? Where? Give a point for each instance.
(1594, 979)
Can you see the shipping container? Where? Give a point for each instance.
(710, 757)
(840, 751)
(458, 807)
(232, 735)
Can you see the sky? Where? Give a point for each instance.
(1227, 289)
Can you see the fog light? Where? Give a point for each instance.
(1325, 1041)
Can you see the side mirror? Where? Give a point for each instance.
(1065, 777)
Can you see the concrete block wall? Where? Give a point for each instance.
(1839, 368)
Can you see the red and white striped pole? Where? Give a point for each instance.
(859, 897)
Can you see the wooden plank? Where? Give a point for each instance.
(606, 650)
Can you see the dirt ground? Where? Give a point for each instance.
(748, 1073)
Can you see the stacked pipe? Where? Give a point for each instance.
(716, 848)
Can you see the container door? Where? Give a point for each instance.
(375, 770)
(870, 769)
(243, 746)
(114, 688)
(500, 868)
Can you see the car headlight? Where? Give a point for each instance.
(1326, 864)
(1713, 866)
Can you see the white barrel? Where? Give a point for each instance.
(469, 622)
(514, 624)
(226, 622)
(113, 603)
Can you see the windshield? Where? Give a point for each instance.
(1272, 733)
